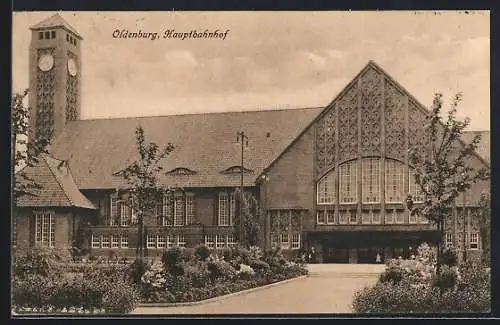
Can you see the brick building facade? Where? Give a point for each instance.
(333, 177)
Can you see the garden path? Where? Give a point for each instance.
(328, 290)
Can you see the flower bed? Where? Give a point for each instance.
(195, 278)
(411, 286)
(42, 284)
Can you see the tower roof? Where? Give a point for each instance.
(55, 21)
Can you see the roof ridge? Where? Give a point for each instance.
(57, 179)
(201, 113)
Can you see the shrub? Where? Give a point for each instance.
(198, 274)
(255, 252)
(227, 254)
(446, 279)
(245, 272)
(258, 265)
(221, 270)
(121, 299)
(202, 252)
(172, 259)
(40, 260)
(449, 257)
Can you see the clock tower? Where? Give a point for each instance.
(55, 76)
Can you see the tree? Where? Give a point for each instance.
(24, 153)
(441, 166)
(250, 218)
(142, 191)
(484, 218)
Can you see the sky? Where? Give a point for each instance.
(268, 60)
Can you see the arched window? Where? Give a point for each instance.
(370, 185)
(326, 189)
(415, 190)
(348, 182)
(394, 181)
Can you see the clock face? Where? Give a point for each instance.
(46, 62)
(72, 69)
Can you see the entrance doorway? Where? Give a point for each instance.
(336, 255)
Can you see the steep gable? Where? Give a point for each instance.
(57, 187)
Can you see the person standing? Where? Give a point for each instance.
(378, 259)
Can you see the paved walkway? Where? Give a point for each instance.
(329, 289)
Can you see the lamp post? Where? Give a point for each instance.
(465, 227)
(244, 140)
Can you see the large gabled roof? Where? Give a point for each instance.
(483, 147)
(56, 186)
(205, 145)
(53, 22)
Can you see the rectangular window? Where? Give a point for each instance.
(321, 217)
(47, 35)
(220, 241)
(151, 241)
(105, 242)
(40, 35)
(190, 208)
(474, 240)
(67, 37)
(330, 217)
(285, 244)
(343, 217)
(181, 241)
(390, 216)
(160, 241)
(44, 229)
(115, 241)
(210, 241)
(370, 185)
(223, 209)
(167, 212)
(133, 218)
(326, 189)
(53, 34)
(423, 219)
(353, 219)
(366, 217)
(415, 191)
(400, 217)
(179, 219)
(348, 182)
(124, 241)
(230, 241)
(124, 215)
(232, 208)
(170, 241)
(295, 240)
(394, 181)
(113, 203)
(376, 216)
(96, 241)
(448, 240)
(412, 218)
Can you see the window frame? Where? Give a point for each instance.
(448, 240)
(223, 219)
(44, 233)
(365, 177)
(398, 177)
(475, 242)
(326, 189)
(352, 182)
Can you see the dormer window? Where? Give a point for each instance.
(47, 35)
(53, 34)
(40, 35)
(237, 170)
(181, 171)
